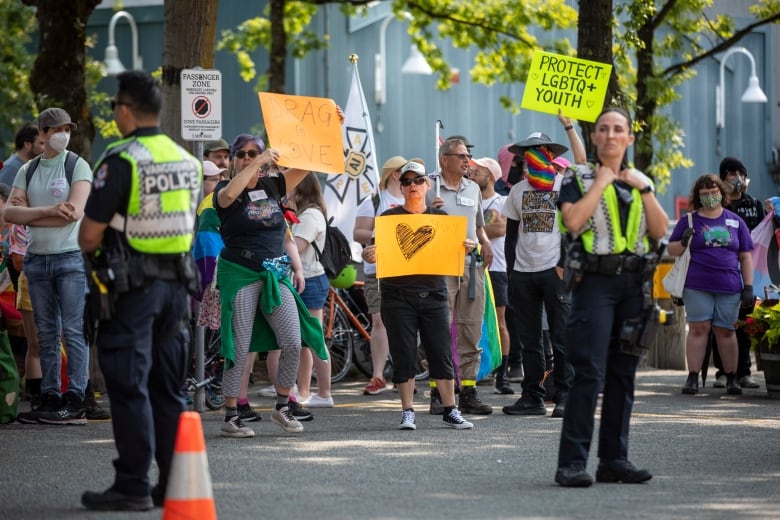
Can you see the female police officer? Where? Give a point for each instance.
(613, 211)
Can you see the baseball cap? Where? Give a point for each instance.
(563, 162)
(731, 164)
(491, 165)
(210, 169)
(392, 164)
(462, 138)
(414, 167)
(213, 146)
(54, 117)
(537, 139)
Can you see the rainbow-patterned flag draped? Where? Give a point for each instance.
(541, 173)
(208, 241)
(490, 342)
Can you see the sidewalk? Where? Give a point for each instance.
(712, 456)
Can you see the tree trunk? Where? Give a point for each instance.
(645, 103)
(188, 42)
(58, 74)
(594, 42)
(278, 51)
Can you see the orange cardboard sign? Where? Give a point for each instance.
(420, 244)
(305, 130)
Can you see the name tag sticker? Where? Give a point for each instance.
(730, 222)
(463, 201)
(257, 195)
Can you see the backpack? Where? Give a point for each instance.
(70, 165)
(336, 254)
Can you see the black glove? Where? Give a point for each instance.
(687, 234)
(748, 300)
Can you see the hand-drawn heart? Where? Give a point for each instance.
(410, 241)
(535, 76)
(589, 103)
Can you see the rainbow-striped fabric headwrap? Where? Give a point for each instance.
(541, 173)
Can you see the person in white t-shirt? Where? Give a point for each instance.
(485, 172)
(533, 250)
(389, 196)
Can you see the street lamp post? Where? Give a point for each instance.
(415, 64)
(113, 64)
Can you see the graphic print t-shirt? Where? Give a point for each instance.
(538, 237)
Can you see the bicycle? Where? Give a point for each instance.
(347, 328)
(213, 365)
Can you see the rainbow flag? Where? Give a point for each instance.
(490, 342)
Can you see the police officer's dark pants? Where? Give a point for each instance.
(143, 354)
(600, 306)
(528, 292)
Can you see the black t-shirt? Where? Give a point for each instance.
(749, 209)
(254, 221)
(413, 282)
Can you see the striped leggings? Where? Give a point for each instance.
(283, 321)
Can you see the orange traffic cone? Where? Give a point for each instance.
(189, 494)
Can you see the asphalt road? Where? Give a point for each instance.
(712, 456)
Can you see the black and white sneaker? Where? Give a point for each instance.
(407, 420)
(71, 411)
(299, 412)
(455, 420)
(247, 413)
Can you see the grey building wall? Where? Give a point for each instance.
(413, 106)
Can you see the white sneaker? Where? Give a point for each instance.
(748, 382)
(315, 401)
(286, 420)
(233, 427)
(407, 420)
(720, 382)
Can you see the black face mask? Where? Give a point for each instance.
(515, 174)
(738, 185)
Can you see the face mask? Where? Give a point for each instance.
(738, 185)
(711, 201)
(59, 141)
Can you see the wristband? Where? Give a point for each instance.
(567, 128)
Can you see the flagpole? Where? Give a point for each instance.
(353, 59)
(436, 158)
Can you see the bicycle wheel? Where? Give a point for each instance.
(339, 343)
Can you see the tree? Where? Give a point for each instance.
(58, 76)
(190, 31)
(17, 22)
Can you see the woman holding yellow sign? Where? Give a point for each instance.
(417, 303)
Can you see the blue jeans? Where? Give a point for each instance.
(58, 286)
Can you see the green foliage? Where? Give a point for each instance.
(256, 33)
(17, 23)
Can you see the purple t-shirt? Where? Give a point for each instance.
(715, 248)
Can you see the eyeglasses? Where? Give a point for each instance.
(460, 156)
(408, 182)
(115, 103)
(251, 153)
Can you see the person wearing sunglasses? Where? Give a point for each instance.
(457, 195)
(417, 304)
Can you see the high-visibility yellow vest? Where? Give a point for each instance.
(604, 235)
(163, 194)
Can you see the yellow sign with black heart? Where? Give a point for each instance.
(420, 244)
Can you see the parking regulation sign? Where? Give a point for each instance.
(201, 104)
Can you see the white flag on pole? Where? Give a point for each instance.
(344, 193)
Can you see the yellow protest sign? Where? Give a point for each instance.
(577, 87)
(420, 244)
(305, 130)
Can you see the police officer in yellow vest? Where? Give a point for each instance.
(137, 229)
(613, 212)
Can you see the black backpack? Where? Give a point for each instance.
(337, 252)
(70, 165)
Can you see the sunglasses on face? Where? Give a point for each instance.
(251, 153)
(408, 182)
(460, 156)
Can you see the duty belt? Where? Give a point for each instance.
(611, 265)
